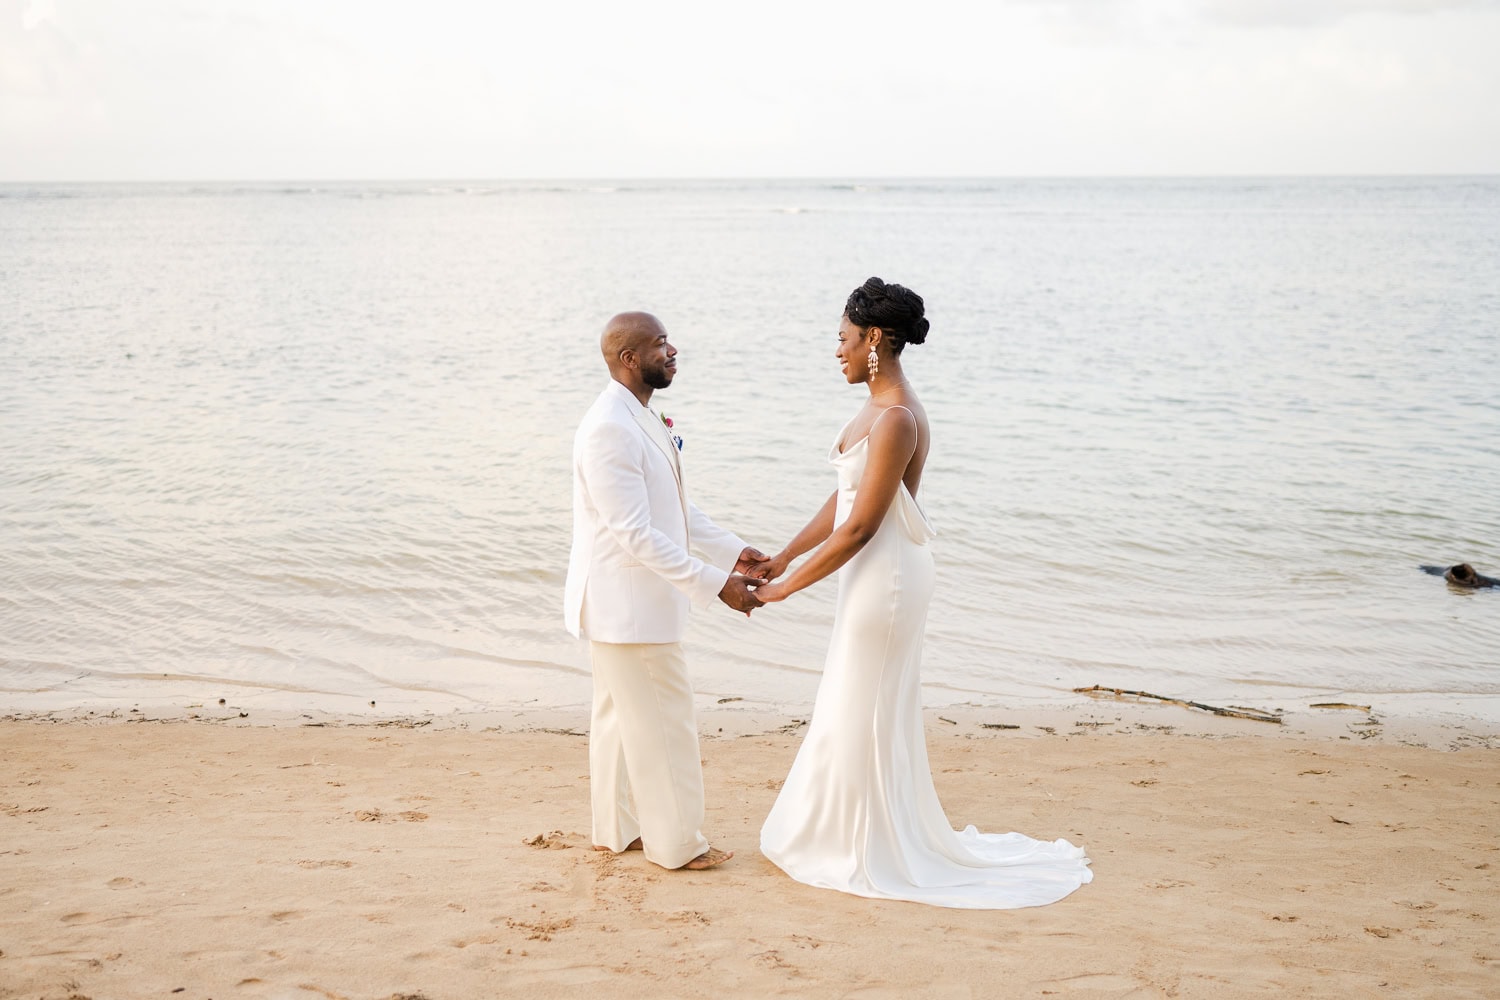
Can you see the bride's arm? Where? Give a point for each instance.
(893, 441)
(811, 536)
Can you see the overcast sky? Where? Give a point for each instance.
(319, 89)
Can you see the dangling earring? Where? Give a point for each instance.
(873, 362)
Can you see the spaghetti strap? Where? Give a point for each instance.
(888, 409)
(840, 448)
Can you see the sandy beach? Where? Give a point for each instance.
(222, 857)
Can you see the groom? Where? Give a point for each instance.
(631, 579)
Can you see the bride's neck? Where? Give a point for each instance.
(890, 378)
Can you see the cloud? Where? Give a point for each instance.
(1093, 21)
(37, 60)
(163, 89)
(1297, 13)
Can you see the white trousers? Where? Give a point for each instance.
(643, 746)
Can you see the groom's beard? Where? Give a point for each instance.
(658, 378)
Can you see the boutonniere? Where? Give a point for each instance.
(676, 439)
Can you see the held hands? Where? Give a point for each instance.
(739, 593)
(739, 590)
(750, 586)
(766, 568)
(753, 563)
(776, 566)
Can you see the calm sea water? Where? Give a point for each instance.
(308, 445)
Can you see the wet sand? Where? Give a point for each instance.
(220, 857)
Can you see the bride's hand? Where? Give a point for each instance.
(752, 562)
(773, 567)
(770, 593)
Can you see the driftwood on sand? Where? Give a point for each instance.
(1120, 694)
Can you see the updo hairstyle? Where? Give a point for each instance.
(895, 309)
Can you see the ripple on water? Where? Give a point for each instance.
(1186, 434)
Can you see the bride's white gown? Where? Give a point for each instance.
(859, 812)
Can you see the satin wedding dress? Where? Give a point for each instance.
(859, 812)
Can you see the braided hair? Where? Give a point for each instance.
(895, 309)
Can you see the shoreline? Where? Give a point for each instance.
(425, 858)
(730, 718)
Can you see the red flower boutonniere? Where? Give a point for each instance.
(677, 440)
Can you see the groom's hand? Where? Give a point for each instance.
(739, 593)
(753, 562)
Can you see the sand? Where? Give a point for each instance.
(222, 858)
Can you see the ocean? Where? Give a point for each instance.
(306, 446)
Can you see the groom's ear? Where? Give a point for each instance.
(628, 358)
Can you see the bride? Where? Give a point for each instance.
(859, 812)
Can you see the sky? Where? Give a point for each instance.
(366, 89)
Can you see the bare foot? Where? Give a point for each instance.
(711, 858)
(634, 845)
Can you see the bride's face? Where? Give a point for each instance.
(853, 352)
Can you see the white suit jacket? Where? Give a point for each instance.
(631, 576)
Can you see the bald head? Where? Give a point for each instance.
(636, 350)
(628, 331)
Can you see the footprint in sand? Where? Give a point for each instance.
(325, 864)
(540, 930)
(690, 917)
(556, 840)
(376, 816)
(771, 959)
(120, 883)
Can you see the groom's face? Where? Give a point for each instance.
(658, 360)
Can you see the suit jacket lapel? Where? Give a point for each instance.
(657, 432)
